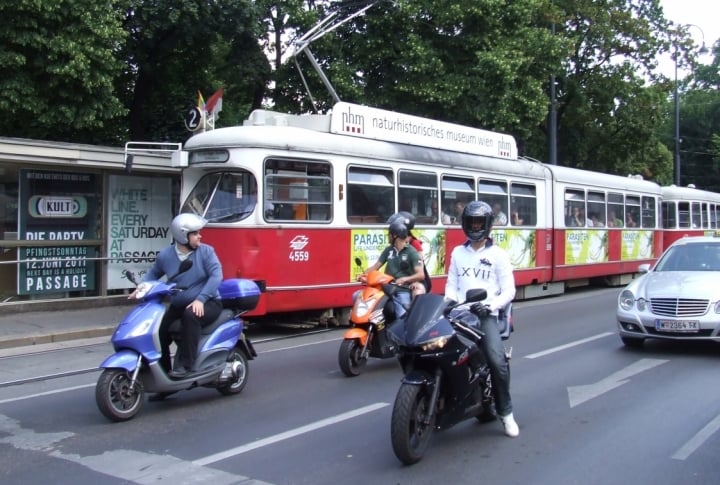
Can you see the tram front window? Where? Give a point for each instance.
(223, 197)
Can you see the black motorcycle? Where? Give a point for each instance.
(447, 379)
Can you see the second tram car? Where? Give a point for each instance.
(300, 203)
(687, 211)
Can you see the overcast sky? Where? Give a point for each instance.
(703, 13)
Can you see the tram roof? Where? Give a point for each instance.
(673, 192)
(315, 143)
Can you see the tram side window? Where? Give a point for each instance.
(418, 195)
(632, 211)
(575, 208)
(649, 212)
(370, 198)
(696, 215)
(456, 193)
(684, 214)
(523, 205)
(596, 209)
(669, 220)
(298, 190)
(495, 193)
(713, 216)
(615, 210)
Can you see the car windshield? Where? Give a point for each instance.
(691, 257)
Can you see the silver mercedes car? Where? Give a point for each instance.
(678, 298)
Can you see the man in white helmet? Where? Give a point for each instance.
(198, 303)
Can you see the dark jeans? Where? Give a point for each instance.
(494, 350)
(190, 332)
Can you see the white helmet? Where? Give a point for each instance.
(184, 224)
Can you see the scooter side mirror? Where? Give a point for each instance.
(185, 265)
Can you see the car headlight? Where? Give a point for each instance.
(434, 344)
(641, 304)
(626, 300)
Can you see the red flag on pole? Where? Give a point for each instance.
(214, 103)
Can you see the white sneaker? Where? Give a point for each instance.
(511, 427)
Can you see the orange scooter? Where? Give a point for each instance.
(367, 336)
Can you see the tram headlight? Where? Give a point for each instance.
(626, 300)
(434, 344)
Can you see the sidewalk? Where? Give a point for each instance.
(42, 327)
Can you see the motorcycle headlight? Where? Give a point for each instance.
(361, 308)
(626, 300)
(142, 290)
(434, 344)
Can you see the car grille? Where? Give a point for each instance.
(678, 307)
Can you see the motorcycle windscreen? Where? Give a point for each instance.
(426, 321)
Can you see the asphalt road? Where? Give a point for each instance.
(590, 412)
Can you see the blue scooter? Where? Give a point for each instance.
(134, 368)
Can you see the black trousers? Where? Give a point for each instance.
(190, 332)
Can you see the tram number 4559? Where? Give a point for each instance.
(299, 256)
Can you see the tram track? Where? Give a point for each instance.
(259, 340)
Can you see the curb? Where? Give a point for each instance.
(49, 338)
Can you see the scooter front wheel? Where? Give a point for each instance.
(410, 426)
(350, 357)
(239, 363)
(116, 398)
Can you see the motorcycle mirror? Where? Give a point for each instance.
(130, 276)
(184, 266)
(477, 294)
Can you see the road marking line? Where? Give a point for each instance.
(567, 346)
(696, 441)
(46, 393)
(288, 434)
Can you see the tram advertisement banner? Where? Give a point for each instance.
(367, 244)
(637, 245)
(63, 207)
(586, 246)
(520, 244)
(139, 211)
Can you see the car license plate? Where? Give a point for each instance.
(677, 325)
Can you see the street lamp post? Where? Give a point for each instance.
(703, 50)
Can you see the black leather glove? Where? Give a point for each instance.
(480, 309)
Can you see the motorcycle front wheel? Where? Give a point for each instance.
(411, 428)
(116, 398)
(239, 362)
(351, 358)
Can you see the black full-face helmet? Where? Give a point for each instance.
(405, 217)
(477, 219)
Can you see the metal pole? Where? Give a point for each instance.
(677, 124)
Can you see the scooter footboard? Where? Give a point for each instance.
(123, 359)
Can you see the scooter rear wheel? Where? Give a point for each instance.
(350, 357)
(116, 398)
(410, 427)
(239, 361)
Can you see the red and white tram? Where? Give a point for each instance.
(687, 211)
(300, 203)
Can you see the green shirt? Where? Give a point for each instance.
(400, 263)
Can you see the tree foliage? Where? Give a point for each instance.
(59, 65)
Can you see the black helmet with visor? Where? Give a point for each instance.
(477, 219)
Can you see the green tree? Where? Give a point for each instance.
(59, 65)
